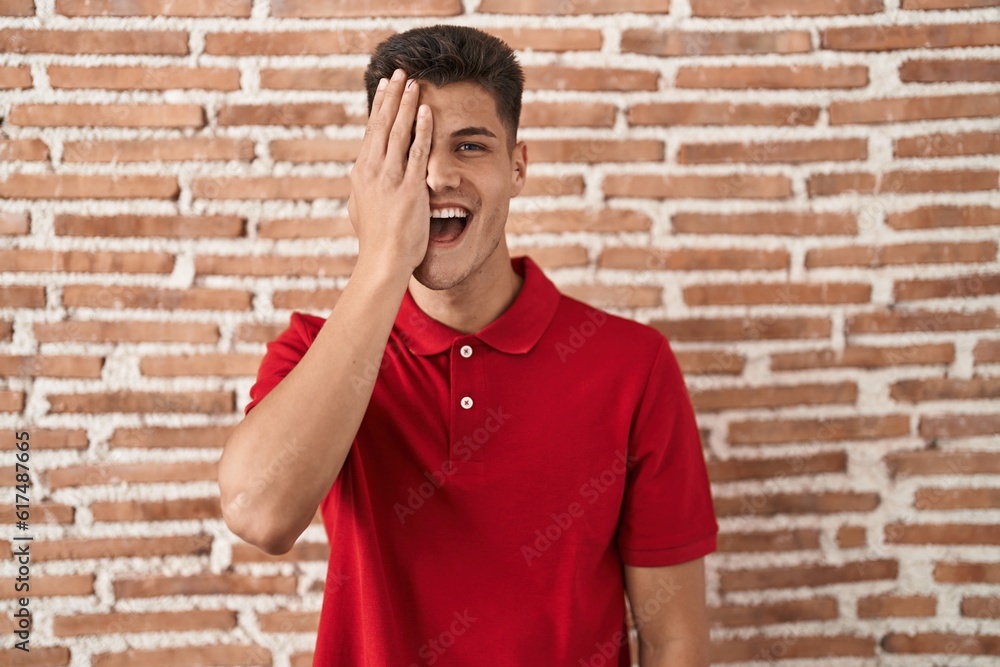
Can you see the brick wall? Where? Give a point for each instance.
(802, 195)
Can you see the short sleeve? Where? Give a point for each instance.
(667, 514)
(283, 353)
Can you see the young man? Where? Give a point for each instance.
(497, 464)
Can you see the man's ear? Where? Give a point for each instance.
(519, 162)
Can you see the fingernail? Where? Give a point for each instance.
(398, 74)
(382, 83)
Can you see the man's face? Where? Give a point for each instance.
(469, 166)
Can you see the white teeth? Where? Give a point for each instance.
(449, 213)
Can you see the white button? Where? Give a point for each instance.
(466, 351)
(466, 402)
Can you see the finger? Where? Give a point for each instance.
(402, 128)
(387, 114)
(376, 105)
(416, 165)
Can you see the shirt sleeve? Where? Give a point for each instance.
(283, 353)
(667, 514)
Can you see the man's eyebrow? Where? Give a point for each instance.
(472, 132)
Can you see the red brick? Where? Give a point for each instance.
(694, 259)
(929, 217)
(220, 655)
(65, 366)
(311, 9)
(768, 613)
(923, 321)
(582, 220)
(311, 299)
(6, 331)
(316, 149)
(743, 9)
(187, 509)
(958, 533)
(730, 186)
(795, 503)
(577, 7)
(190, 620)
(12, 223)
(770, 293)
(986, 351)
(981, 607)
(294, 43)
(924, 36)
(211, 402)
(964, 573)
(554, 257)
(273, 265)
(58, 438)
(256, 332)
(955, 462)
(15, 77)
(131, 473)
(721, 113)
(559, 114)
(172, 226)
(967, 287)
(301, 660)
(934, 71)
(946, 4)
(860, 356)
(553, 186)
(782, 223)
(942, 389)
(319, 78)
(616, 296)
(17, 8)
(940, 642)
(897, 606)
(306, 228)
(116, 547)
(292, 113)
(42, 512)
(204, 584)
(81, 42)
(129, 331)
(833, 429)
(83, 261)
(795, 645)
(557, 77)
(718, 43)
(902, 253)
(743, 328)
(190, 298)
(796, 539)
(50, 585)
(956, 499)
(851, 537)
(107, 115)
(22, 296)
(731, 470)
(904, 109)
(270, 187)
(942, 145)
(710, 362)
(11, 401)
(550, 39)
(166, 437)
(894, 182)
(772, 152)
(159, 150)
(23, 150)
(596, 151)
(88, 186)
(144, 78)
(711, 400)
(813, 575)
(289, 621)
(50, 656)
(197, 8)
(773, 77)
(222, 364)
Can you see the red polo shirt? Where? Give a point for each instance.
(499, 481)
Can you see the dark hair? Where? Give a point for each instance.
(444, 54)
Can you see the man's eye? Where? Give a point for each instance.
(474, 146)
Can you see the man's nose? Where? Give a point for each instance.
(442, 172)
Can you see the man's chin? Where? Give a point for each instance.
(433, 275)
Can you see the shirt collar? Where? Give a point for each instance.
(515, 331)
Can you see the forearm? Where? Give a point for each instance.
(281, 460)
(674, 654)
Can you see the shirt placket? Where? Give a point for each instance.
(468, 405)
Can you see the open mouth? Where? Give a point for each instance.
(448, 225)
